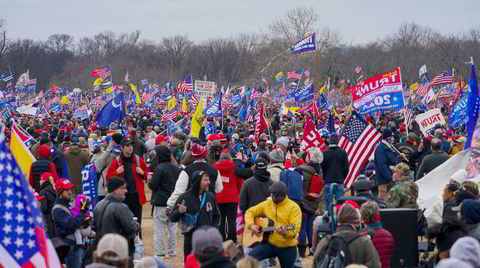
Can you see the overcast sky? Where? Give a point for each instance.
(357, 21)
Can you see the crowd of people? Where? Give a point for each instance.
(214, 187)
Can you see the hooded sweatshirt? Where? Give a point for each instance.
(255, 189)
(164, 177)
(76, 159)
(231, 183)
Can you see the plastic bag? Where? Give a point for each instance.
(139, 248)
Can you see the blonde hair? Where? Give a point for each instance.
(248, 262)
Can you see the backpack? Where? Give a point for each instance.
(336, 254)
(294, 182)
(315, 188)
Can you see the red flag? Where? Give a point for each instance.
(54, 89)
(261, 123)
(311, 137)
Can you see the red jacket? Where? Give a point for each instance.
(139, 179)
(231, 183)
(384, 244)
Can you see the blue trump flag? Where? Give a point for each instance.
(458, 115)
(171, 127)
(472, 106)
(214, 109)
(242, 114)
(111, 111)
(322, 101)
(306, 44)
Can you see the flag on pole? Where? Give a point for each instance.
(186, 85)
(261, 124)
(126, 78)
(20, 143)
(422, 70)
(473, 106)
(184, 105)
(64, 100)
(295, 75)
(306, 44)
(23, 79)
(114, 110)
(5, 77)
(443, 78)
(279, 76)
(359, 139)
(197, 120)
(358, 69)
(172, 103)
(138, 99)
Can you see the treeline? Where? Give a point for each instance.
(63, 61)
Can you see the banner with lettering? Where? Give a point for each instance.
(379, 93)
(311, 138)
(429, 120)
(458, 116)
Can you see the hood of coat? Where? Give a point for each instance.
(163, 154)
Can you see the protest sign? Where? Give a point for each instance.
(304, 94)
(378, 93)
(458, 116)
(204, 89)
(311, 138)
(429, 119)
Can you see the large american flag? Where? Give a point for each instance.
(169, 116)
(103, 72)
(194, 100)
(186, 85)
(359, 139)
(422, 89)
(294, 75)
(443, 78)
(409, 117)
(23, 242)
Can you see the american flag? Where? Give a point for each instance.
(186, 85)
(443, 78)
(169, 116)
(294, 75)
(194, 100)
(23, 241)
(32, 81)
(103, 72)
(422, 89)
(358, 139)
(409, 117)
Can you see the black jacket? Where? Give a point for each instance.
(164, 177)
(65, 224)
(255, 190)
(50, 195)
(112, 216)
(335, 165)
(430, 162)
(208, 215)
(218, 261)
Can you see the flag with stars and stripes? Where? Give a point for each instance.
(23, 242)
(443, 78)
(359, 139)
(169, 115)
(186, 85)
(423, 87)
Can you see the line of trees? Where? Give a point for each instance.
(62, 60)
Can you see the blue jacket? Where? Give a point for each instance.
(65, 224)
(384, 158)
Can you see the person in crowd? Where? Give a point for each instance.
(404, 193)
(50, 196)
(66, 224)
(361, 248)
(363, 188)
(385, 159)
(134, 171)
(424, 149)
(185, 179)
(466, 249)
(162, 185)
(111, 216)
(227, 199)
(449, 201)
(111, 251)
(445, 146)
(256, 189)
(335, 169)
(76, 161)
(41, 165)
(207, 246)
(469, 210)
(382, 239)
(410, 149)
(277, 158)
(435, 159)
(445, 235)
(282, 242)
(312, 204)
(195, 208)
(103, 162)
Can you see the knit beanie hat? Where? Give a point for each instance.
(314, 155)
(370, 212)
(277, 156)
(114, 183)
(348, 215)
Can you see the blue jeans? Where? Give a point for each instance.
(74, 259)
(286, 256)
(306, 231)
(337, 191)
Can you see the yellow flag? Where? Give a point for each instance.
(19, 150)
(279, 76)
(64, 100)
(138, 100)
(98, 82)
(322, 90)
(413, 87)
(172, 103)
(109, 90)
(185, 105)
(197, 119)
(334, 111)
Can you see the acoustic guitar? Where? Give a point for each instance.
(267, 227)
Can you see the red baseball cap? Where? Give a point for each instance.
(63, 184)
(159, 139)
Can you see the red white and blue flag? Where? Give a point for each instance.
(170, 115)
(294, 75)
(186, 85)
(23, 240)
(103, 72)
(443, 78)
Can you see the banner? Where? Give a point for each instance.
(304, 94)
(311, 138)
(458, 116)
(379, 93)
(429, 120)
(81, 113)
(204, 89)
(89, 178)
(306, 44)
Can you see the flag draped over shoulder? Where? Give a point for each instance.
(197, 120)
(19, 145)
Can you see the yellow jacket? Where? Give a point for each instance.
(286, 212)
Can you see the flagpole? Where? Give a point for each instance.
(274, 57)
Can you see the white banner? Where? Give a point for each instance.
(429, 119)
(204, 89)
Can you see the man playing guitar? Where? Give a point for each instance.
(286, 217)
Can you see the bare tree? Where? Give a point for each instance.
(3, 39)
(175, 50)
(59, 43)
(296, 24)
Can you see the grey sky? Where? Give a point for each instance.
(357, 21)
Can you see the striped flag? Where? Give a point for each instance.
(409, 117)
(422, 89)
(169, 116)
(186, 85)
(194, 100)
(359, 139)
(103, 72)
(294, 75)
(443, 78)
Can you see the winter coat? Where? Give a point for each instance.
(255, 190)
(101, 166)
(76, 159)
(43, 164)
(218, 262)
(384, 243)
(334, 165)
(231, 183)
(284, 213)
(308, 172)
(111, 215)
(384, 158)
(65, 224)
(164, 177)
(430, 162)
(50, 195)
(139, 179)
(275, 170)
(361, 249)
